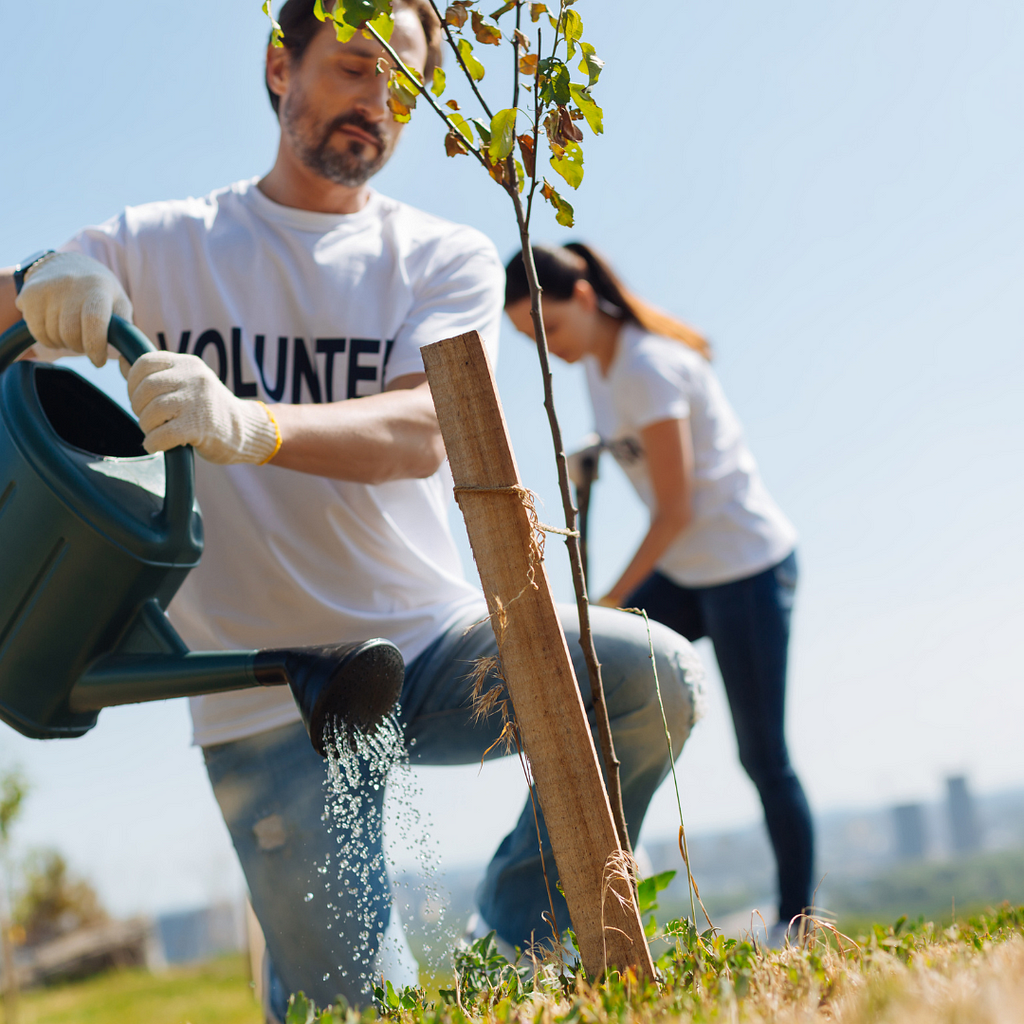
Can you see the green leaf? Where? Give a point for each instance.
(462, 125)
(483, 130)
(663, 880)
(402, 89)
(318, 9)
(384, 24)
(520, 176)
(344, 31)
(591, 64)
(473, 66)
(356, 12)
(563, 211)
(300, 1010)
(503, 133)
(650, 927)
(570, 164)
(391, 997)
(648, 889)
(572, 29)
(590, 110)
(437, 86)
(553, 81)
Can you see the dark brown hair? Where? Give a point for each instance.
(559, 269)
(299, 25)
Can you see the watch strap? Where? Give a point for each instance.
(26, 265)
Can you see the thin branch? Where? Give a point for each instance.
(462, 63)
(604, 729)
(515, 59)
(424, 91)
(536, 137)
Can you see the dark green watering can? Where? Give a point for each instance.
(96, 536)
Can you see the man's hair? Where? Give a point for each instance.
(299, 25)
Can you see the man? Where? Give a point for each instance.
(290, 312)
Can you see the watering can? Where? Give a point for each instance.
(96, 537)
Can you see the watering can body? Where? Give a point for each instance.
(96, 537)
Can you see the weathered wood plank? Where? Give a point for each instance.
(534, 656)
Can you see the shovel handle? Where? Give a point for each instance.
(179, 469)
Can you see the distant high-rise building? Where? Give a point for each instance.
(911, 835)
(964, 830)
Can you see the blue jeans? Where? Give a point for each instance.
(747, 621)
(270, 788)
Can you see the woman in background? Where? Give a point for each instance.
(718, 558)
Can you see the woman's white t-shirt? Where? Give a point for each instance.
(289, 305)
(737, 530)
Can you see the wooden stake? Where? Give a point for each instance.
(535, 658)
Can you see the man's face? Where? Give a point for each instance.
(334, 112)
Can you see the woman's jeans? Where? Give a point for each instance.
(748, 624)
(270, 788)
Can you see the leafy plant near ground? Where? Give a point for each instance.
(972, 971)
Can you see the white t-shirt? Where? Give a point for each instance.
(736, 530)
(289, 305)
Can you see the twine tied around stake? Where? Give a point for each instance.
(536, 553)
(529, 500)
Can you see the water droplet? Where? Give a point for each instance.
(309, 896)
(327, 974)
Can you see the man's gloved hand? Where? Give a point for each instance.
(67, 302)
(180, 400)
(576, 460)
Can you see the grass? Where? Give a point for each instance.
(217, 992)
(971, 972)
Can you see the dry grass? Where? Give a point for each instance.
(971, 973)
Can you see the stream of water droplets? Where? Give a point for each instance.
(371, 788)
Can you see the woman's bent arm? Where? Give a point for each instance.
(669, 448)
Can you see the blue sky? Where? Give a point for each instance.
(832, 192)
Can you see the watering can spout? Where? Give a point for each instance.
(352, 686)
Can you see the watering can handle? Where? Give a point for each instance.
(179, 471)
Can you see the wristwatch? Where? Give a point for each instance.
(26, 265)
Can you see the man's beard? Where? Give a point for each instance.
(312, 140)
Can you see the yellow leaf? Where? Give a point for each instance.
(503, 133)
(473, 66)
(528, 64)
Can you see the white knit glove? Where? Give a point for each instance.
(180, 400)
(592, 449)
(67, 302)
